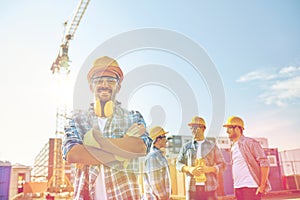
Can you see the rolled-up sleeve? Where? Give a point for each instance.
(138, 118)
(219, 159)
(260, 155)
(181, 159)
(72, 135)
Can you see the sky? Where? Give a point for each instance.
(245, 61)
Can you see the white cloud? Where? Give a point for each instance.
(289, 70)
(256, 75)
(279, 88)
(283, 92)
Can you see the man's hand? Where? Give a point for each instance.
(89, 139)
(191, 170)
(194, 171)
(136, 130)
(207, 169)
(197, 171)
(260, 189)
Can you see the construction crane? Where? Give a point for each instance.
(59, 181)
(62, 60)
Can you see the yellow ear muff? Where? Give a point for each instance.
(108, 108)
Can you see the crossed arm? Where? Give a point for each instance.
(109, 149)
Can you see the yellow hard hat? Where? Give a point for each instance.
(196, 121)
(234, 121)
(156, 131)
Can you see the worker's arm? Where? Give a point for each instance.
(264, 177)
(131, 143)
(82, 154)
(191, 170)
(73, 148)
(264, 164)
(127, 147)
(83, 148)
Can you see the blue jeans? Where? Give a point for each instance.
(246, 193)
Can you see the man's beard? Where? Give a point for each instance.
(233, 136)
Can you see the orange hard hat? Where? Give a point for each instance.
(105, 66)
(234, 121)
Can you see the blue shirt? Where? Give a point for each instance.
(157, 183)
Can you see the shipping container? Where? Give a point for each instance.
(5, 171)
(290, 162)
(275, 176)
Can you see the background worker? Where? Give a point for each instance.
(105, 139)
(250, 166)
(157, 182)
(211, 163)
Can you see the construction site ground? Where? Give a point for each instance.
(275, 195)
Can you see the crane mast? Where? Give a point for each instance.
(59, 181)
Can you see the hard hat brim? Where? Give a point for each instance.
(228, 125)
(155, 136)
(194, 124)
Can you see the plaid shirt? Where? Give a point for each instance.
(255, 157)
(120, 183)
(213, 157)
(156, 176)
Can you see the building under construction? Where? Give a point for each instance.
(50, 167)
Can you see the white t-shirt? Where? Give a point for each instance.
(101, 123)
(199, 156)
(241, 174)
(199, 149)
(100, 189)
